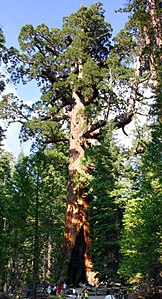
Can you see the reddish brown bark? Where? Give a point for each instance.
(76, 218)
(77, 202)
(156, 24)
(156, 21)
(152, 63)
(156, 55)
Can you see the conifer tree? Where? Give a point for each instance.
(77, 71)
(2, 50)
(5, 197)
(141, 237)
(105, 214)
(2, 82)
(34, 221)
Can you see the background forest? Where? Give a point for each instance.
(83, 207)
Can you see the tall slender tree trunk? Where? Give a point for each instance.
(156, 21)
(49, 257)
(156, 24)
(152, 62)
(156, 56)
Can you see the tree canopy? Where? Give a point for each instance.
(85, 207)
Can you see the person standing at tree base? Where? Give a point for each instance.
(86, 294)
(28, 293)
(109, 296)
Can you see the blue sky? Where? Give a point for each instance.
(17, 13)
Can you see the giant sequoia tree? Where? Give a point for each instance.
(76, 69)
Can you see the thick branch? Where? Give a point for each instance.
(124, 119)
(56, 118)
(56, 139)
(95, 129)
(47, 74)
(53, 137)
(51, 49)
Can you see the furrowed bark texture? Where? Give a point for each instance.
(77, 236)
(76, 231)
(156, 19)
(156, 22)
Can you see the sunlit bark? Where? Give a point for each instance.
(76, 217)
(156, 21)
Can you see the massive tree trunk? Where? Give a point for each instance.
(76, 231)
(61, 71)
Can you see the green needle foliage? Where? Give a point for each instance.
(76, 66)
(33, 221)
(2, 77)
(141, 237)
(105, 214)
